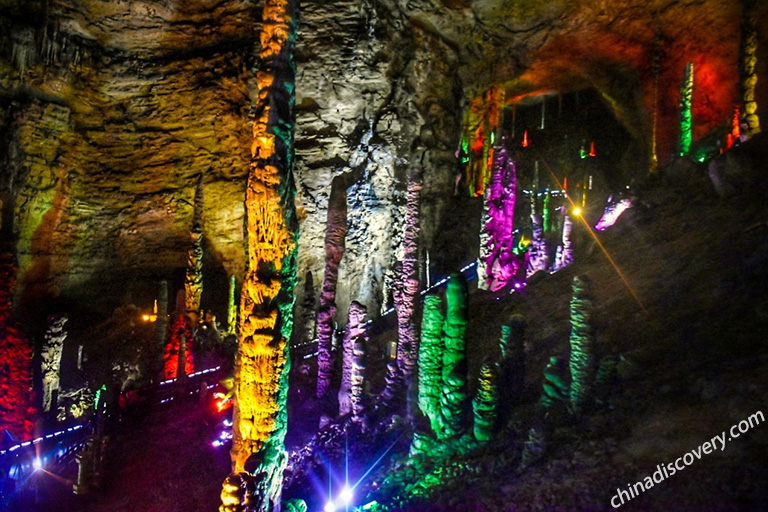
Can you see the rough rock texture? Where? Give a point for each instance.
(453, 399)
(109, 112)
(51, 359)
(583, 361)
(193, 282)
(485, 403)
(353, 365)
(431, 361)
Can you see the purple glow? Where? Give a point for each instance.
(612, 213)
(500, 263)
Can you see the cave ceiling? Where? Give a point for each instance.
(110, 110)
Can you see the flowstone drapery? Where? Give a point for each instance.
(431, 361)
(335, 239)
(260, 418)
(51, 359)
(453, 399)
(582, 341)
(353, 367)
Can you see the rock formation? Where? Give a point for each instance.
(16, 355)
(511, 364)
(485, 403)
(582, 340)
(193, 283)
(353, 364)
(431, 361)
(554, 388)
(335, 237)
(51, 359)
(232, 306)
(686, 115)
(260, 418)
(748, 71)
(406, 290)
(453, 399)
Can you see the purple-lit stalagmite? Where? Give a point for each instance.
(407, 288)
(498, 264)
(260, 419)
(335, 236)
(351, 389)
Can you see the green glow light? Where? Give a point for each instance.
(686, 116)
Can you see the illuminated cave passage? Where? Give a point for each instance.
(382, 255)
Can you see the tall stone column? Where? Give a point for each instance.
(407, 288)
(453, 400)
(431, 360)
(335, 238)
(748, 67)
(232, 307)
(262, 364)
(193, 283)
(353, 367)
(582, 340)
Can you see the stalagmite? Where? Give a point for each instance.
(582, 341)
(309, 314)
(512, 364)
(564, 255)
(453, 399)
(51, 359)
(232, 307)
(161, 324)
(498, 264)
(193, 283)
(749, 41)
(538, 254)
(16, 357)
(431, 361)
(407, 288)
(260, 417)
(485, 403)
(686, 116)
(353, 367)
(335, 238)
(554, 387)
(178, 349)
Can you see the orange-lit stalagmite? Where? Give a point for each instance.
(266, 302)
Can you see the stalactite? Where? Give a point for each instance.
(335, 238)
(686, 117)
(51, 359)
(453, 399)
(582, 344)
(16, 357)
(232, 306)
(260, 418)
(193, 283)
(407, 288)
(431, 361)
(353, 349)
(512, 364)
(484, 406)
(748, 53)
(481, 123)
(496, 257)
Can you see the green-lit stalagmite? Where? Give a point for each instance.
(582, 340)
(431, 360)
(554, 388)
(261, 370)
(453, 399)
(485, 403)
(686, 116)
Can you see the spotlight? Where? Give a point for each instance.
(577, 211)
(330, 507)
(37, 463)
(346, 495)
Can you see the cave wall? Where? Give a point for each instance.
(109, 111)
